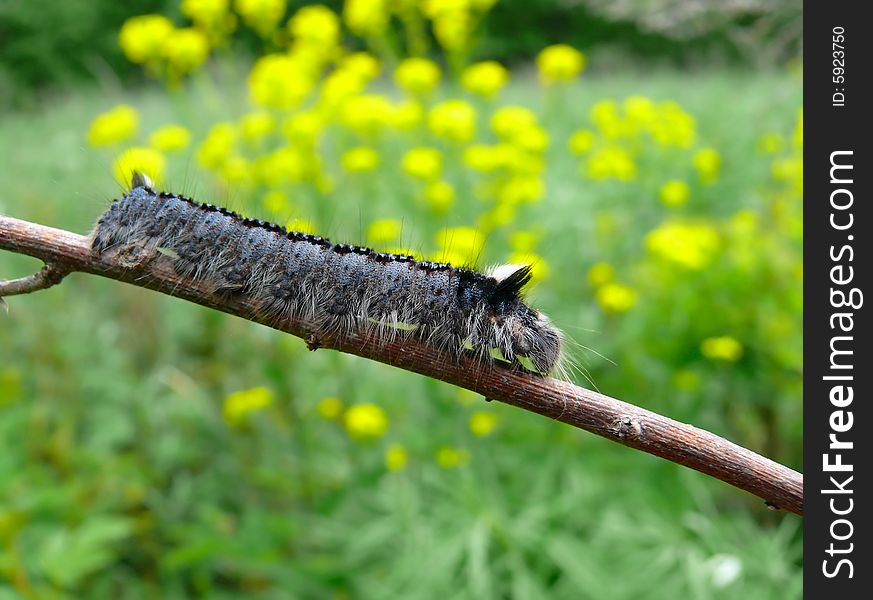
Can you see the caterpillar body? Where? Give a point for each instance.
(334, 288)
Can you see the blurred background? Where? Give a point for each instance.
(643, 155)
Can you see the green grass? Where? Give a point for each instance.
(120, 479)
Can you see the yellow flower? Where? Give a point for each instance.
(361, 64)
(407, 115)
(262, 15)
(360, 160)
(640, 112)
(396, 457)
(211, 16)
(367, 114)
(482, 423)
(303, 128)
(142, 38)
(279, 81)
(453, 120)
(674, 192)
(581, 141)
(423, 163)
(690, 245)
(418, 76)
(485, 78)
(673, 126)
(170, 138)
(559, 63)
(723, 348)
(330, 407)
(141, 160)
(366, 421)
(205, 12)
(461, 245)
(452, 29)
(612, 162)
(113, 126)
(483, 158)
(239, 405)
(510, 121)
(188, 49)
(522, 188)
(217, 146)
(383, 231)
(606, 117)
(615, 298)
(315, 25)
(600, 274)
(440, 195)
(451, 458)
(338, 86)
(366, 18)
(707, 161)
(256, 125)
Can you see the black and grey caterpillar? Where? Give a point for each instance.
(334, 288)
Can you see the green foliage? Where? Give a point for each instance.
(59, 43)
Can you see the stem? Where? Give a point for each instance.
(619, 421)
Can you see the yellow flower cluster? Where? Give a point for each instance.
(707, 161)
(417, 76)
(153, 41)
(114, 126)
(366, 18)
(453, 121)
(690, 245)
(363, 421)
(674, 192)
(485, 78)
(613, 297)
(279, 81)
(423, 163)
(361, 159)
(170, 138)
(212, 17)
(262, 15)
(315, 27)
(723, 348)
(239, 406)
(559, 64)
(482, 423)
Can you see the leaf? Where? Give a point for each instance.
(70, 554)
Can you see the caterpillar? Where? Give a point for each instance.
(334, 288)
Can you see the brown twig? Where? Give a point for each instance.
(619, 421)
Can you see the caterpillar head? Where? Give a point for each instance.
(520, 332)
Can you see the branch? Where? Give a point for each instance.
(779, 486)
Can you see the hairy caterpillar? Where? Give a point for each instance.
(336, 288)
